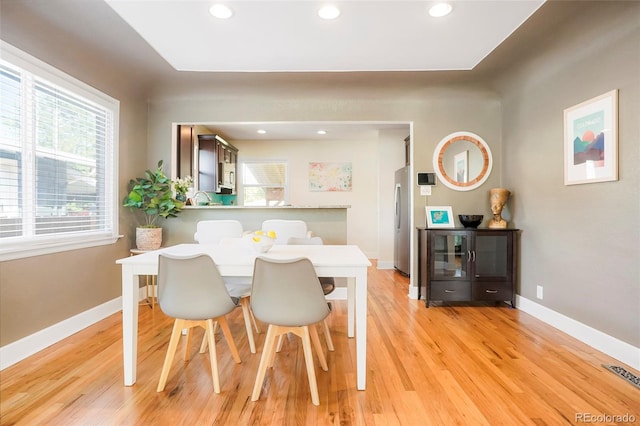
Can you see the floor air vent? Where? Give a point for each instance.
(625, 374)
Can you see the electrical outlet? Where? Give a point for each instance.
(425, 190)
(539, 292)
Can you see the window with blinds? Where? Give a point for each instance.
(264, 183)
(57, 170)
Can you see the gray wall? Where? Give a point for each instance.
(435, 113)
(37, 292)
(580, 242)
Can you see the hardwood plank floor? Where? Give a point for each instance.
(466, 365)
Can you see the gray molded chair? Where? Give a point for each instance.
(191, 290)
(225, 232)
(328, 285)
(286, 294)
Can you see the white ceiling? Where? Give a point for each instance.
(287, 35)
(304, 130)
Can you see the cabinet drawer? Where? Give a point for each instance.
(492, 291)
(450, 290)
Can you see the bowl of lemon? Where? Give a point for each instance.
(260, 241)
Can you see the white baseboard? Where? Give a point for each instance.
(622, 351)
(385, 264)
(27, 346)
(17, 351)
(413, 292)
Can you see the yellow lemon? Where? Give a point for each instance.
(256, 239)
(271, 234)
(259, 233)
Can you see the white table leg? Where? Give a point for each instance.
(129, 324)
(361, 328)
(351, 306)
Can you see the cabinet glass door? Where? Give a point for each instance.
(449, 260)
(492, 256)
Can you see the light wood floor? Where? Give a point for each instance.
(439, 366)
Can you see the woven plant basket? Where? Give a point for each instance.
(148, 238)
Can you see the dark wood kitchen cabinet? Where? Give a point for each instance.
(217, 161)
(466, 265)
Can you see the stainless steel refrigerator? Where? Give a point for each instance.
(401, 239)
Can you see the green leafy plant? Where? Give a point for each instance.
(182, 185)
(153, 195)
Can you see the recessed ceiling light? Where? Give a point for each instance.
(221, 11)
(262, 131)
(322, 132)
(441, 9)
(329, 12)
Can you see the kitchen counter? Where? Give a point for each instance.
(290, 206)
(326, 221)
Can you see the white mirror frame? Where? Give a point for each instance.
(450, 182)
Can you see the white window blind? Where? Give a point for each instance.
(264, 183)
(57, 150)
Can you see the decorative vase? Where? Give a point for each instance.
(498, 198)
(148, 238)
(181, 197)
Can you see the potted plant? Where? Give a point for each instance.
(153, 195)
(182, 186)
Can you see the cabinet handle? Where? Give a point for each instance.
(469, 255)
(449, 291)
(491, 291)
(474, 255)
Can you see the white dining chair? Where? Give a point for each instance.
(229, 232)
(212, 231)
(286, 229)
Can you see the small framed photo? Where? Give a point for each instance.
(591, 140)
(439, 217)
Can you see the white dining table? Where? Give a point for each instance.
(329, 261)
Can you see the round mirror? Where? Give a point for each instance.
(462, 161)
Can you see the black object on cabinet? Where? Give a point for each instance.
(465, 265)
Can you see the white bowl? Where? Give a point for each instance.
(259, 243)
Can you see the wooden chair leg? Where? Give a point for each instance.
(227, 334)
(253, 318)
(308, 358)
(205, 343)
(178, 325)
(280, 342)
(269, 346)
(205, 340)
(327, 335)
(213, 358)
(248, 320)
(268, 353)
(277, 347)
(316, 342)
(187, 346)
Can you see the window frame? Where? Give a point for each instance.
(27, 246)
(242, 185)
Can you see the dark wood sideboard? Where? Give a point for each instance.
(467, 265)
